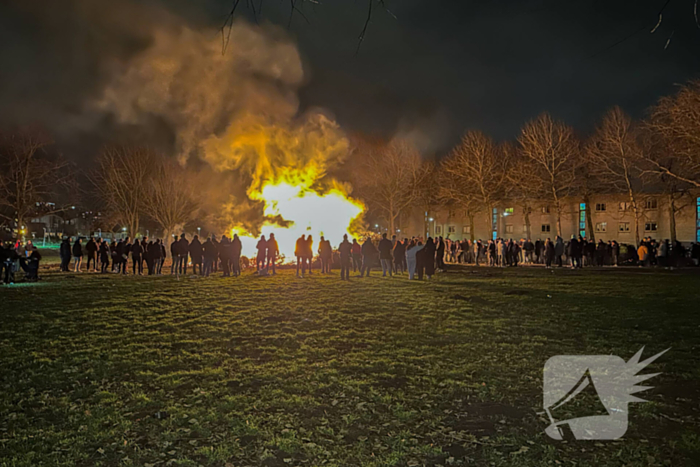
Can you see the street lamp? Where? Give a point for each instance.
(199, 231)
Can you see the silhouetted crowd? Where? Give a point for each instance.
(416, 257)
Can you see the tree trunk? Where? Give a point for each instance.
(589, 219)
(672, 217)
(558, 208)
(527, 221)
(489, 218)
(471, 226)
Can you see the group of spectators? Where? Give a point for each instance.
(577, 252)
(418, 257)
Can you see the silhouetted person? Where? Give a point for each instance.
(262, 254)
(196, 252)
(136, 263)
(356, 255)
(325, 253)
(225, 255)
(299, 253)
(309, 252)
(77, 254)
(236, 249)
(210, 255)
(345, 252)
(385, 255)
(65, 254)
(369, 256)
(91, 253)
(273, 250)
(104, 257)
(399, 255)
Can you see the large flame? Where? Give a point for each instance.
(288, 166)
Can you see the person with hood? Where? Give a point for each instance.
(369, 256)
(77, 254)
(236, 249)
(412, 250)
(559, 250)
(210, 254)
(195, 250)
(385, 255)
(91, 252)
(65, 254)
(399, 254)
(345, 252)
(429, 257)
(299, 253)
(325, 254)
(154, 256)
(136, 252)
(356, 256)
(262, 254)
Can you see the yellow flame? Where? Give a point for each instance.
(288, 166)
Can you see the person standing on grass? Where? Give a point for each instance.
(215, 267)
(209, 252)
(64, 252)
(104, 257)
(356, 256)
(136, 252)
(429, 257)
(309, 252)
(440, 254)
(225, 255)
(399, 255)
(273, 250)
(236, 249)
(77, 255)
(195, 249)
(345, 252)
(91, 253)
(369, 256)
(184, 251)
(559, 250)
(299, 253)
(144, 252)
(549, 253)
(325, 253)
(412, 250)
(385, 255)
(262, 254)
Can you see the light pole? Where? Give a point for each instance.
(199, 231)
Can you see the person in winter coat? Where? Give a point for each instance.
(356, 255)
(299, 253)
(195, 250)
(325, 253)
(91, 252)
(345, 252)
(369, 256)
(183, 253)
(273, 251)
(210, 255)
(262, 254)
(309, 252)
(136, 263)
(426, 259)
(77, 254)
(559, 250)
(549, 252)
(399, 254)
(236, 249)
(440, 254)
(65, 254)
(104, 257)
(385, 255)
(225, 255)
(411, 251)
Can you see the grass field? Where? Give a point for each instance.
(277, 371)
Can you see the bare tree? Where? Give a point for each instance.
(614, 154)
(122, 180)
(675, 121)
(388, 179)
(476, 173)
(171, 200)
(552, 150)
(29, 177)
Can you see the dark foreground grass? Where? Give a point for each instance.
(276, 371)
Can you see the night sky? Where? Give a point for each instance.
(438, 68)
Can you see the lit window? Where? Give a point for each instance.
(451, 229)
(623, 227)
(509, 229)
(601, 227)
(438, 230)
(546, 228)
(466, 229)
(650, 227)
(545, 209)
(508, 211)
(651, 203)
(600, 207)
(624, 206)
